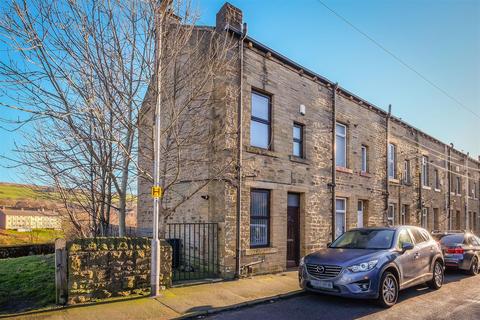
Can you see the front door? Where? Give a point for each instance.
(293, 230)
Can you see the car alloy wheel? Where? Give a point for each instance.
(438, 274)
(388, 290)
(474, 268)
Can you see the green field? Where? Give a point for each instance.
(18, 191)
(27, 283)
(13, 237)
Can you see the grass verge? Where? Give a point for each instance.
(27, 283)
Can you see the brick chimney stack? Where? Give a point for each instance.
(229, 16)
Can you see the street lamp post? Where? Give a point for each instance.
(156, 189)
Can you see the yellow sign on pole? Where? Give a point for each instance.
(157, 192)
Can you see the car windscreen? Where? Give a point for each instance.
(365, 239)
(452, 239)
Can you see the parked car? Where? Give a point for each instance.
(374, 263)
(461, 250)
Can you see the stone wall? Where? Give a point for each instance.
(100, 268)
(290, 86)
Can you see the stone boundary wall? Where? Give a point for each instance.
(16, 251)
(100, 268)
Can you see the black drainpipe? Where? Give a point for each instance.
(334, 160)
(239, 156)
(450, 187)
(387, 184)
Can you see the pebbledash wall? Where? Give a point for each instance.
(300, 96)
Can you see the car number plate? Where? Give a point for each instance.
(321, 284)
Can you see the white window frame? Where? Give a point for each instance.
(392, 161)
(424, 218)
(391, 218)
(403, 215)
(364, 159)
(425, 169)
(344, 211)
(360, 203)
(436, 177)
(344, 136)
(406, 171)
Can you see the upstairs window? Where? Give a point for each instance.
(298, 140)
(392, 161)
(459, 186)
(364, 159)
(475, 190)
(341, 145)
(437, 179)
(425, 180)
(406, 171)
(260, 124)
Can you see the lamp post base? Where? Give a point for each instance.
(155, 269)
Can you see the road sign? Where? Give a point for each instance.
(157, 192)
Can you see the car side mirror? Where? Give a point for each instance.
(328, 244)
(407, 246)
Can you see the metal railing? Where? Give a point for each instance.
(195, 250)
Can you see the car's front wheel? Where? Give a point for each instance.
(388, 294)
(438, 275)
(474, 267)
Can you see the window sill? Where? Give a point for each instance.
(260, 151)
(259, 251)
(426, 188)
(393, 180)
(298, 159)
(344, 170)
(437, 190)
(365, 174)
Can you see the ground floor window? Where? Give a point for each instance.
(360, 212)
(340, 213)
(424, 218)
(404, 214)
(391, 214)
(259, 218)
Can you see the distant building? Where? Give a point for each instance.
(13, 218)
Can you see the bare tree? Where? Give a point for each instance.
(79, 70)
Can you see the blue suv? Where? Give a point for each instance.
(374, 263)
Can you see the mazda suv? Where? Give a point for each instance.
(374, 263)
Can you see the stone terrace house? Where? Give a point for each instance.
(315, 160)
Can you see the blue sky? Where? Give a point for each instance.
(439, 38)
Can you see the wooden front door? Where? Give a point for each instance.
(293, 230)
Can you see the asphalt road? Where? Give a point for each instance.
(459, 298)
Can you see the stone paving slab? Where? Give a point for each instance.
(184, 301)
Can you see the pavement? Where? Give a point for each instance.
(459, 298)
(186, 301)
(278, 297)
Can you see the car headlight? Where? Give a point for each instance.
(302, 262)
(364, 266)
